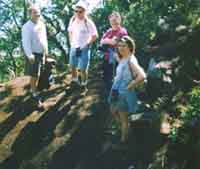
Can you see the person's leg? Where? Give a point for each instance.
(34, 78)
(74, 73)
(109, 76)
(33, 72)
(73, 61)
(33, 83)
(107, 80)
(131, 100)
(115, 113)
(123, 116)
(83, 65)
(124, 126)
(84, 77)
(105, 70)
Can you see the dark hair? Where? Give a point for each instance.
(129, 41)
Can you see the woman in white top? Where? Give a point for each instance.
(129, 74)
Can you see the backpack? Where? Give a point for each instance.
(46, 77)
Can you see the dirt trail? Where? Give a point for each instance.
(69, 132)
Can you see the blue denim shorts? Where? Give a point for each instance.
(126, 102)
(81, 62)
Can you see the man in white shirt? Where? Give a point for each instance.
(34, 42)
(82, 33)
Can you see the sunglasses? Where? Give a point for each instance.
(121, 45)
(78, 11)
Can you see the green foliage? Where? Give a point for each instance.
(4, 65)
(190, 116)
(20, 65)
(100, 16)
(6, 68)
(140, 17)
(193, 105)
(12, 17)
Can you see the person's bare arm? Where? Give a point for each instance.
(92, 39)
(139, 75)
(116, 56)
(109, 41)
(70, 37)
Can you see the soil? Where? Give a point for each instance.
(69, 130)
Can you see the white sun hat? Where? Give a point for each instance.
(81, 4)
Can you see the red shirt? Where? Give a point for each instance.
(110, 33)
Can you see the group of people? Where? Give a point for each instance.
(122, 73)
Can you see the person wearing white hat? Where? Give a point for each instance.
(81, 4)
(82, 34)
(35, 45)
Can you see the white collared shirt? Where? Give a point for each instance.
(34, 38)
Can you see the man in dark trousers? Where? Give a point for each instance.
(35, 45)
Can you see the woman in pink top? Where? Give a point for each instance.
(82, 34)
(108, 44)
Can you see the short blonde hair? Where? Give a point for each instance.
(33, 7)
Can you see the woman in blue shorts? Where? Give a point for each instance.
(129, 74)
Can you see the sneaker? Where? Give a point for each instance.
(84, 83)
(38, 99)
(132, 167)
(34, 94)
(75, 80)
(68, 91)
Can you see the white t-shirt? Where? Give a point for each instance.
(124, 74)
(124, 64)
(34, 38)
(81, 30)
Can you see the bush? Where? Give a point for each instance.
(190, 118)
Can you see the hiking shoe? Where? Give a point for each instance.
(132, 167)
(84, 86)
(83, 90)
(38, 99)
(84, 83)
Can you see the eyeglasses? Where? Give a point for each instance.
(78, 11)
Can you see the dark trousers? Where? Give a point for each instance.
(33, 69)
(108, 74)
